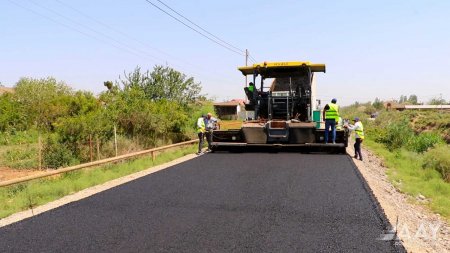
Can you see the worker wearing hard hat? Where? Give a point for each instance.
(331, 116)
(359, 136)
(201, 129)
(249, 91)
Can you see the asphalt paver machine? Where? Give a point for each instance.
(284, 111)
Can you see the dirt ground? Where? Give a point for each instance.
(417, 227)
(8, 173)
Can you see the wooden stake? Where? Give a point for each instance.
(90, 148)
(98, 148)
(115, 139)
(40, 151)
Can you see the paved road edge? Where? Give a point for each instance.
(90, 191)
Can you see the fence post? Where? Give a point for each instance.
(98, 148)
(90, 148)
(115, 139)
(40, 151)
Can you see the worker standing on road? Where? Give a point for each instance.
(359, 136)
(200, 132)
(331, 116)
(210, 123)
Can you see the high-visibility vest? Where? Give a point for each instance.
(359, 130)
(333, 112)
(200, 125)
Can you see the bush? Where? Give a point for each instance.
(56, 155)
(423, 141)
(438, 159)
(397, 135)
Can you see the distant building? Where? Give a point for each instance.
(402, 107)
(230, 110)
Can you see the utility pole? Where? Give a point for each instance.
(246, 64)
(246, 82)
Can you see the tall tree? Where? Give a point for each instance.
(403, 99)
(437, 101)
(413, 99)
(377, 103)
(163, 83)
(44, 99)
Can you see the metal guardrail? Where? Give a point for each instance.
(95, 163)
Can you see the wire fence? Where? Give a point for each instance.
(22, 152)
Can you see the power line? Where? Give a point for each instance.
(197, 31)
(76, 26)
(201, 28)
(72, 28)
(251, 58)
(96, 32)
(123, 46)
(126, 35)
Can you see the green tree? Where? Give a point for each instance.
(377, 104)
(12, 114)
(413, 99)
(402, 99)
(163, 83)
(437, 101)
(44, 100)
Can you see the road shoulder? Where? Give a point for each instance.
(415, 223)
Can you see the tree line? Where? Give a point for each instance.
(148, 108)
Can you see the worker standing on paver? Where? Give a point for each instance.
(210, 123)
(249, 91)
(201, 129)
(331, 116)
(359, 136)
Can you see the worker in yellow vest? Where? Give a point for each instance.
(359, 137)
(249, 91)
(331, 116)
(201, 129)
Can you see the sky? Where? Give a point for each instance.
(383, 48)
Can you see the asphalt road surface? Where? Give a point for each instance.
(221, 202)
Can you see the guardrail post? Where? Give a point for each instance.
(153, 156)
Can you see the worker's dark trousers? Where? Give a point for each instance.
(330, 123)
(358, 148)
(209, 138)
(200, 141)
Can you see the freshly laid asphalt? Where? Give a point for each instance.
(221, 202)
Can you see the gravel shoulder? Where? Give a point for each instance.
(418, 228)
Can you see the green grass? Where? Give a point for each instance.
(20, 156)
(38, 192)
(406, 172)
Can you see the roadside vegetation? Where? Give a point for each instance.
(46, 124)
(414, 145)
(30, 194)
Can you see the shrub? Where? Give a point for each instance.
(56, 155)
(397, 135)
(423, 141)
(438, 159)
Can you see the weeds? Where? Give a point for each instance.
(439, 159)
